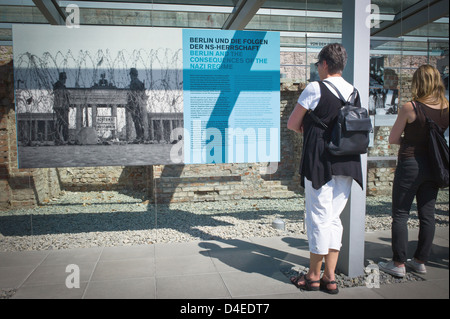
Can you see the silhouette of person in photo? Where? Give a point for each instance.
(61, 109)
(103, 81)
(390, 85)
(136, 104)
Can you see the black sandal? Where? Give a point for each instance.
(323, 286)
(307, 285)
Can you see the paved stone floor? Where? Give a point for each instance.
(219, 269)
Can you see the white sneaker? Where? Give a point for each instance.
(417, 267)
(390, 268)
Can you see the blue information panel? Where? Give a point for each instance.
(231, 83)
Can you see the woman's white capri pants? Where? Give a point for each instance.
(323, 209)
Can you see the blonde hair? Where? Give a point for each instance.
(427, 86)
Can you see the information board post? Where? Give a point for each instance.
(356, 40)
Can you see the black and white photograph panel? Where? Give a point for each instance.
(383, 88)
(97, 96)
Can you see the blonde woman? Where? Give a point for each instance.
(413, 175)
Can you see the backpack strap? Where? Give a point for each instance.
(423, 112)
(352, 96)
(427, 119)
(316, 119)
(415, 108)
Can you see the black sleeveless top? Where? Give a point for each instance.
(317, 164)
(415, 140)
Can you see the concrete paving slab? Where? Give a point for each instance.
(232, 259)
(184, 265)
(57, 274)
(413, 290)
(22, 258)
(14, 276)
(133, 288)
(203, 286)
(127, 252)
(124, 269)
(57, 291)
(72, 256)
(178, 249)
(346, 293)
(257, 283)
(281, 243)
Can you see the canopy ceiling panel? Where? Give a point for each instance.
(295, 19)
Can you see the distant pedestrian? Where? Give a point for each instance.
(413, 176)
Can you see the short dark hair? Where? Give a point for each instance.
(336, 57)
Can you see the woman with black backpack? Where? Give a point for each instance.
(327, 178)
(414, 175)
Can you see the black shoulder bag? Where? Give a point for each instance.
(437, 150)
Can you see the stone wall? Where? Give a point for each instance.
(84, 179)
(24, 187)
(382, 160)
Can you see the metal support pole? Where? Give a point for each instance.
(356, 40)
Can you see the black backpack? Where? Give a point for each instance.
(350, 133)
(437, 150)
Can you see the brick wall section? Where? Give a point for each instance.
(5, 191)
(83, 179)
(24, 187)
(13, 183)
(6, 112)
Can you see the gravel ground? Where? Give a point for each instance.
(111, 218)
(91, 219)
